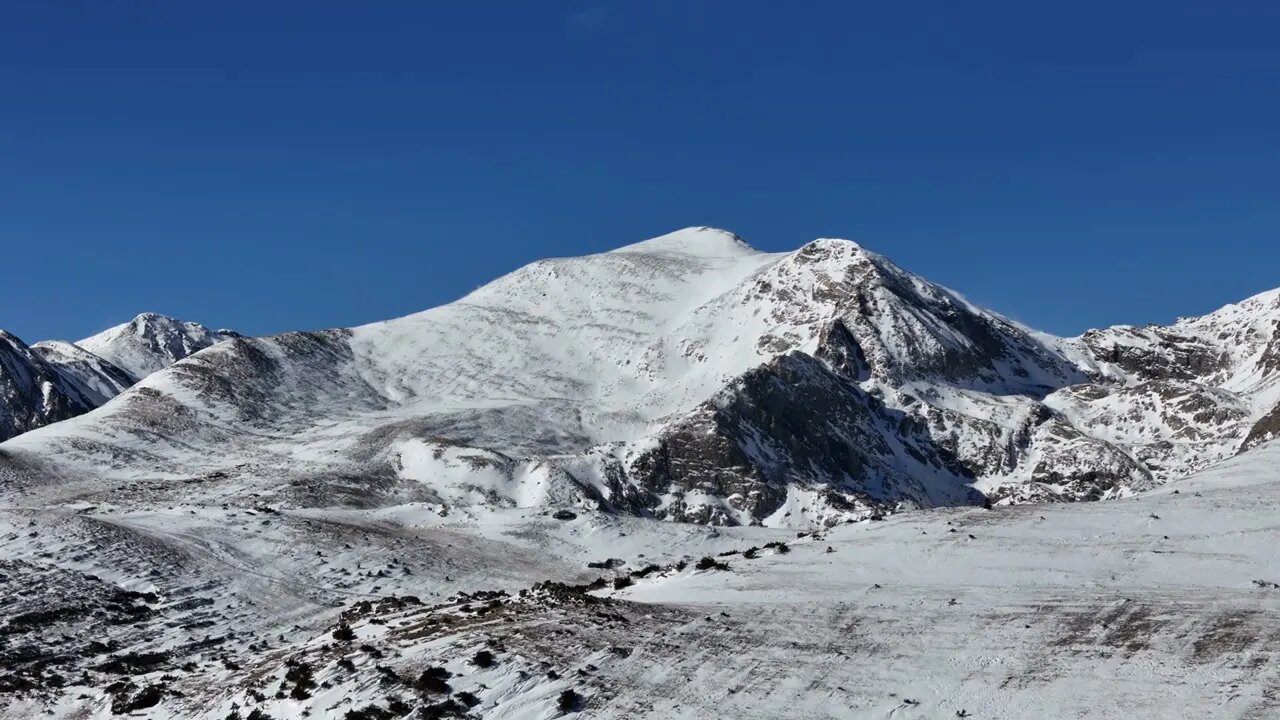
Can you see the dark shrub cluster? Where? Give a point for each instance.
(433, 680)
(569, 701)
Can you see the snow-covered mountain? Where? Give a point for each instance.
(152, 342)
(463, 513)
(33, 392)
(54, 380)
(693, 378)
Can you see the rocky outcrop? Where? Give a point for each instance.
(1265, 430)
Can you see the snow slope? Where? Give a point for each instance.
(1161, 606)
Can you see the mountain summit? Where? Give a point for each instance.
(691, 378)
(152, 342)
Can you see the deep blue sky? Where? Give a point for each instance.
(284, 165)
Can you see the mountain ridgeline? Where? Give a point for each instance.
(688, 377)
(55, 380)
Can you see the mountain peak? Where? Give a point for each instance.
(152, 342)
(698, 241)
(840, 244)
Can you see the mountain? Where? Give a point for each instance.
(54, 380)
(152, 342)
(657, 482)
(1182, 397)
(97, 380)
(32, 391)
(689, 378)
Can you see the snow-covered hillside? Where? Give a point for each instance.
(168, 599)
(692, 378)
(54, 380)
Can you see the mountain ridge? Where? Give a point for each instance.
(55, 380)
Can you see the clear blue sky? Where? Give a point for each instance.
(282, 165)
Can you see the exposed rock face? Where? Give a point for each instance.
(793, 426)
(96, 379)
(1180, 398)
(1266, 429)
(32, 392)
(1154, 353)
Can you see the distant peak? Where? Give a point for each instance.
(151, 342)
(837, 244)
(697, 241)
(150, 317)
(1262, 303)
(843, 251)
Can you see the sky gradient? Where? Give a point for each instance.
(299, 165)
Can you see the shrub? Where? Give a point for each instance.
(433, 680)
(299, 673)
(344, 633)
(442, 709)
(569, 700)
(710, 563)
(483, 659)
(646, 571)
(622, 582)
(369, 712)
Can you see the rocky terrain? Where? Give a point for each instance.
(665, 481)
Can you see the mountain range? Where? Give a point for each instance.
(688, 377)
(54, 380)
(667, 481)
